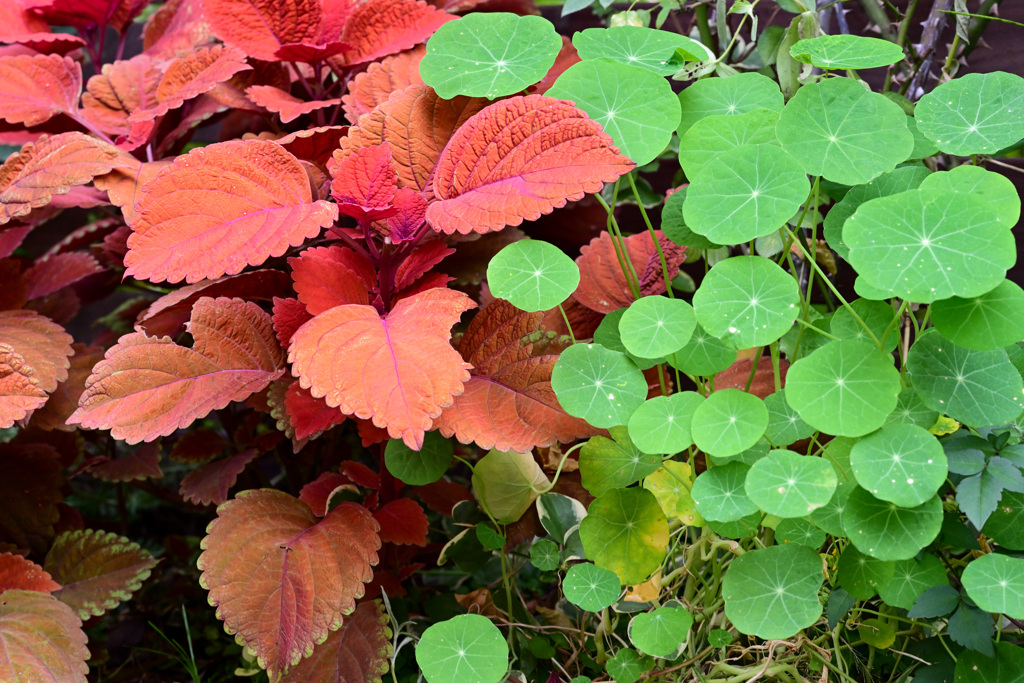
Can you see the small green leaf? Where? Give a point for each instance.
(996, 584)
(937, 601)
(627, 666)
(800, 531)
(506, 483)
(888, 532)
(489, 54)
(911, 578)
(846, 52)
(728, 422)
(544, 555)
(861, 575)
(738, 94)
(974, 114)
(830, 517)
(464, 649)
(606, 464)
(637, 46)
(719, 637)
(626, 531)
(994, 188)
(418, 468)
(903, 464)
(714, 135)
(993, 320)
(590, 587)
(879, 316)
(662, 424)
(784, 424)
(704, 355)
(660, 632)
(720, 493)
(656, 326)
(601, 386)
(674, 225)
(910, 409)
(532, 275)
(787, 484)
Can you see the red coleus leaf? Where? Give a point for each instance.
(120, 89)
(149, 386)
(303, 30)
(41, 638)
(178, 25)
(35, 88)
(43, 344)
(286, 105)
(402, 522)
(83, 238)
(220, 208)
(51, 166)
(197, 446)
(19, 26)
(410, 214)
(309, 416)
(17, 573)
(420, 261)
(64, 400)
(96, 570)
(359, 651)
(360, 474)
(30, 490)
(364, 183)
(603, 286)
(417, 124)
(442, 496)
(117, 14)
(762, 384)
(20, 392)
(314, 145)
(289, 316)
(518, 159)
(375, 85)
(509, 403)
(209, 484)
(370, 434)
(326, 277)
(377, 28)
(144, 463)
(317, 494)
(281, 578)
(400, 369)
(49, 275)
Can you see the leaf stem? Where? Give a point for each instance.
(568, 326)
(654, 238)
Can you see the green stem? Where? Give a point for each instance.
(817, 329)
(567, 325)
(654, 238)
(558, 472)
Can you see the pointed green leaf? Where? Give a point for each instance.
(974, 114)
(637, 46)
(886, 531)
(532, 275)
(626, 531)
(559, 514)
(728, 422)
(737, 94)
(662, 424)
(787, 484)
(591, 587)
(1006, 524)
(507, 483)
(601, 386)
(846, 52)
(903, 464)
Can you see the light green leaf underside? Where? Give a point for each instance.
(846, 52)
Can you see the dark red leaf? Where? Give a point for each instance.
(144, 463)
(402, 522)
(442, 496)
(64, 401)
(410, 213)
(209, 484)
(365, 183)
(737, 375)
(309, 417)
(317, 494)
(30, 490)
(117, 14)
(17, 573)
(567, 56)
(420, 261)
(197, 446)
(314, 145)
(326, 277)
(603, 286)
(49, 275)
(289, 316)
(360, 474)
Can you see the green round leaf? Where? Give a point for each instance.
(728, 422)
(606, 464)
(626, 531)
(489, 54)
(464, 649)
(507, 483)
(532, 275)
(846, 387)
(607, 335)
(903, 464)
(979, 388)
(785, 425)
(655, 326)
(418, 468)
(926, 244)
(911, 578)
(660, 632)
(714, 135)
(719, 637)
(977, 667)
(703, 355)
(992, 320)
(747, 457)
(737, 94)
(635, 106)
(637, 46)
(674, 226)
(910, 409)
(662, 424)
(861, 575)
(877, 315)
(846, 52)
(830, 517)
(544, 555)
(720, 494)
(799, 531)
(772, 593)
(994, 188)
(590, 587)
(838, 129)
(603, 387)
(1006, 524)
(996, 584)
(744, 193)
(627, 666)
(974, 114)
(886, 531)
(747, 300)
(787, 484)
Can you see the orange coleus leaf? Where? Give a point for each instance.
(43, 344)
(30, 490)
(309, 416)
(314, 145)
(265, 29)
(402, 522)
(603, 286)
(122, 185)
(375, 85)
(417, 124)
(177, 25)
(96, 570)
(144, 463)
(281, 578)
(41, 638)
(149, 386)
(18, 573)
(399, 369)
(220, 208)
(326, 277)
(284, 104)
(51, 166)
(190, 76)
(118, 90)
(64, 400)
(364, 183)
(117, 14)
(377, 28)
(48, 275)
(509, 403)
(359, 651)
(317, 494)
(35, 88)
(518, 159)
(20, 392)
(209, 484)
(19, 26)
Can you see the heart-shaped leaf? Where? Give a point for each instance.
(661, 631)
(507, 483)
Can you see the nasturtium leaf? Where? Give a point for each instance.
(747, 456)
(989, 321)
(360, 650)
(846, 387)
(772, 592)
(739, 94)
(936, 601)
(559, 514)
(627, 666)
(830, 517)
(662, 424)
(787, 484)
(626, 531)
(489, 54)
(996, 584)
(745, 193)
(421, 467)
(928, 244)
(544, 555)
(846, 52)
(467, 648)
(1006, 667)
(532, 275)
(637, 46)
(591, 587)
(979, 388)
(634, 105)
(911, 578)
(994, 188)
(41, 638)
(608, 335)
(728, 422)
(606, 463)
(879, 316)
(747, 301)
(861, 575)
(1006, 524)
(720, 494)
(800, 531)
(902, 464)
(785, 426)
(603, 387)
(506, 484)
(661, 631)
(704, 355)
(877, 632)
(265, 542)
(866, 290)
(974, 114)
(886, 531)
(714, 135)
(671, 485)
(674, 225)
(838, 129)
(656, 326)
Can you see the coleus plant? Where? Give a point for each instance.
(740, 455)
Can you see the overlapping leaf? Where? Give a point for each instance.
(117, 14)
(286, 105)
(19, 573)
(374, 86)
(402, 522)
(209, 484)
(121, 88)
(365, 183)
(64, 399)
(267, 31)
(41, 343)
(359, 651)
(378, 28)
(20, 392)
(604, 287)
(41, 639)
(35, 88)
(190, 76)
(143, 463)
